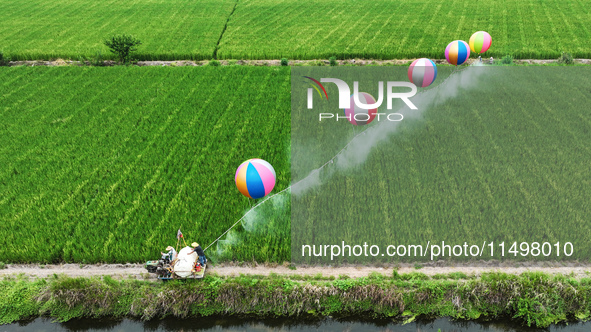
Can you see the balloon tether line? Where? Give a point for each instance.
(319, 168)
(249, 211)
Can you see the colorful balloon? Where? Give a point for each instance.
(359, 116)
(255, 178)
(457, 52)
(480, 42)
(422, 72)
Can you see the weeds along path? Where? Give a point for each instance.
(137, 271)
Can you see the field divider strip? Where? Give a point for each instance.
(217, 45)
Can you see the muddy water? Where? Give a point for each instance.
(235, 324)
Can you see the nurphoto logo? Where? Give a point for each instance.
(360, 107)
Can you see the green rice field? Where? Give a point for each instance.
(294, 29)
(386, 29)
(501, 159)
(105, 164)
(69, 29)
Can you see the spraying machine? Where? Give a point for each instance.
(185, 266)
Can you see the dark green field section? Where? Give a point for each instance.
(295, 29)
(105, 164)
(503, 158)
(168, 29)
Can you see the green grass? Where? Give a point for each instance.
(105, 164)
(168, 29)
(532, 299)
(385, 29)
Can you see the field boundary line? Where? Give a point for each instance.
(217, 45)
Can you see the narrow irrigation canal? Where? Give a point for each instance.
(235, 324)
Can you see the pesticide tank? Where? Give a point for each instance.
(185, 263)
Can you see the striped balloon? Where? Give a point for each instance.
(255, 178)
(422, 72)
(457, 52)
(480, 42)
(359, 116)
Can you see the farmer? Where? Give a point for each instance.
(170, 254)
(197, 249)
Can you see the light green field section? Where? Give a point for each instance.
(168, 29)
(387, 29)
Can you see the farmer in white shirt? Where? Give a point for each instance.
(170, 254)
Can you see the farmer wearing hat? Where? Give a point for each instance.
(170, 254)
(197, 249)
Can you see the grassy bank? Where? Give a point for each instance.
(534, 299)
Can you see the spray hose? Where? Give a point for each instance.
(249, 211)
(321, 167)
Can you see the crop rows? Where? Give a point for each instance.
(295, 29)
(105, 164)
(386, 29)
(69, 29)
(506, 161)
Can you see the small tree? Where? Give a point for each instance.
(333, 61)
(284, 62)
(122, 46)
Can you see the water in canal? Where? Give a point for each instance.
(248, 325)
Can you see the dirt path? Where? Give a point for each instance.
(137, 271)
(190, 63)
